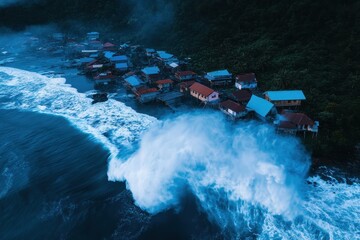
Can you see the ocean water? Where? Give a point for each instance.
(73, 170)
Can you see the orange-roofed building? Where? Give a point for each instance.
(204, 93)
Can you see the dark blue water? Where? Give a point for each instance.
(54, 178)
(54, 186)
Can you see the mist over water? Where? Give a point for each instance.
(237, 171)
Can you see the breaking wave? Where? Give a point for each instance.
(33, 92)
(250, 181)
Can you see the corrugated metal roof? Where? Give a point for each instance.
(134, 81)
(184, 73)
(260, 105)
(174, 65)
(86, 60)
(108, 54)
(164, 55)
(121, 65)
(202, 89)
(119, 58)
(298, 118)
(285, 95)
(219, 73)
(164, 81)
(151, 70)
(242, 95)
(247, 77)
(228, 104)
(108, 44)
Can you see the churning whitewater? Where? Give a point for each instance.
(245, 177)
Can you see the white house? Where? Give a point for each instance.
(233, 109)
(203, 93)
(246, 81)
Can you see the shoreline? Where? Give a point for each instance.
(84, 84)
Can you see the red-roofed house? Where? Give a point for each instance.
(104, 77)
(145, 95)
(185, 75)
(233, 109)
(297, 122)
(108, 46)
(203, 93)
(164, 85)
(246, 81)
(185, 87)
(241, 96)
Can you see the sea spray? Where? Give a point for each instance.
(237, 171)
(238, 176)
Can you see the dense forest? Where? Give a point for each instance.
(305, 44)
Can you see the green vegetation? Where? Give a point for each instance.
(308, 45)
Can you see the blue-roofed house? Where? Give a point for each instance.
(133, 82)
(108, 54)
(166, 58)
(288, 98)
(121, 67)
(119, 59)
(150, 52)
(263, 109)
(219, 77)
(151, 73)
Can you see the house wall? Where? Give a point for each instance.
(148, 97)
(186, 77)
(197, 95)
(213, 97)
(289, 103)
(242, 85)
(220, 82)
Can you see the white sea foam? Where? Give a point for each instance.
(34, 92)
(247, 179)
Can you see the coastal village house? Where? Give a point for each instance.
(166, 58)
(291, 122)
(246, 81)
(122, 67)
(164, 85)
(108, 46)
(93, 66)
(290, 98)
(220, 77)
(264, 110)
(185, 76)
(119, 59)
(233, 109)
(151, 74)
(150, 52)
(241, 96)
(133, 82)
(185, 87)
(95, 45)
(104, 78)
(108, 54)
(145, 95)
(92, 36)
(203, 93)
